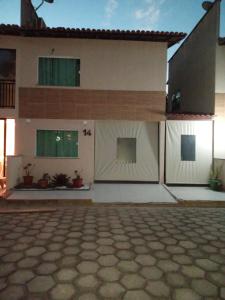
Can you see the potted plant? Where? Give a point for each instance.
(78, 180)
(44, 181)
(215, 182)
(28, 179)
(60, 180)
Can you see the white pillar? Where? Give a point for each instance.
(162, 132)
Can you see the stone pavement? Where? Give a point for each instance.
(130, 253)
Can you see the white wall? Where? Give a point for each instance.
(197, 171)
(26, 145)
(219, 141)
(220, 163)
(14, 171)
(162, 133)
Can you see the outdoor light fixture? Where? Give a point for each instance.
(207, 5)
(49, 1)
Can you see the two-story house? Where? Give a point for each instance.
(84, 99)
(196, 101)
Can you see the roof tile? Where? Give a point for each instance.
(86, 33)
(189, 117)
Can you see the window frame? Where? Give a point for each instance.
(57, 157)
(62, 57)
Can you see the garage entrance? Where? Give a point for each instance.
(127, 151)
(189, 151)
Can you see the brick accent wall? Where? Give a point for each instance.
(61, 103)
(220, 105)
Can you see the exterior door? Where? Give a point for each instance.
(2, 146)
(189, 151)
(126, 151)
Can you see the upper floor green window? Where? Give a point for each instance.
(59, 71)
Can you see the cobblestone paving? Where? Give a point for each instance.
(129, 253)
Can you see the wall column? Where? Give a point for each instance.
(162, 133)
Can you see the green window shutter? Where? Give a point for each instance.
(59, 71)
(45, 71)
(60, 144)
(68, 144)
(46, 143)
(53, 143)
(64, 72)
(77, 72)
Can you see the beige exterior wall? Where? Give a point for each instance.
(14, 171)
(220, 69)
(105, 65)
(192, 69)
(220, 105)
(220, 163)
(26, 146)
(219, 128)
(133, 71)
(219, 141)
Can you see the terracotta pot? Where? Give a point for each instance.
(78, 183)
(28, 180)
(43, 183)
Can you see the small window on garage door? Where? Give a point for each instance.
(126, 150)
(188, 147)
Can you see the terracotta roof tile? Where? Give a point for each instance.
(190, 117)
(60, 32)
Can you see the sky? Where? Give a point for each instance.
(162, 15)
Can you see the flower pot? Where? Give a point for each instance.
(215, 184)
(43, 183)
(78, 183)
(28, 180)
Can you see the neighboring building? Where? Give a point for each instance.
(193, 69)
(67, 86)
(197, 92)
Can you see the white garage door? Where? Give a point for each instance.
(126, 151)
(188, 152)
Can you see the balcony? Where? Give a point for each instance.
(7, 93)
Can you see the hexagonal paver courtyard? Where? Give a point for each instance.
(113, 252)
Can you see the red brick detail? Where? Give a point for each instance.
(61, 103)
(189, 117)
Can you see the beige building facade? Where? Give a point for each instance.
(122, 77)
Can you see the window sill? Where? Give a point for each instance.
(50, 157)
(58, 86)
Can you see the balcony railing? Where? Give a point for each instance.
(7, 93)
